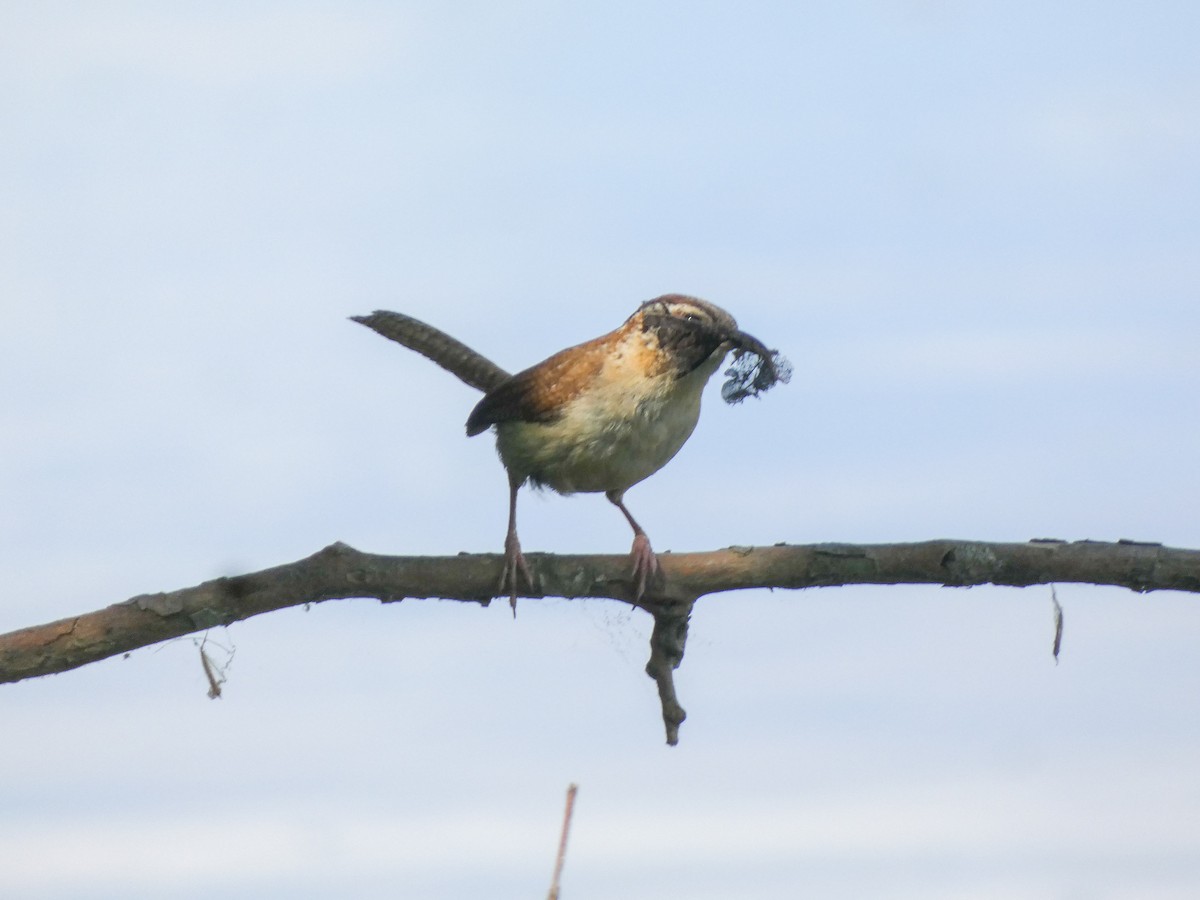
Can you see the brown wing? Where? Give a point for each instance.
(538, 393)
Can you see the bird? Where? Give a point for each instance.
(601, 416)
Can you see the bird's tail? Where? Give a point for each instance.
(454, 356)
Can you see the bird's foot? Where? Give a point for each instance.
(514, 562)
(645, 564)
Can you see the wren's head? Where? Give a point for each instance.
(688, 333)
(694, 334)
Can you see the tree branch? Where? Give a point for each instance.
(340, 572)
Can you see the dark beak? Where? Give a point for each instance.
(748, 343)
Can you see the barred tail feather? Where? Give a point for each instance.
(454, 356)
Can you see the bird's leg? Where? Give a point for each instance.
(645, 563)
(514, 560)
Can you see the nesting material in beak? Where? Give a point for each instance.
(754, 369)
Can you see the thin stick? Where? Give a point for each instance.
(562, 842)
(1058, 623)
(214, 682)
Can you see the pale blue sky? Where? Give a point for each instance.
(973, 228)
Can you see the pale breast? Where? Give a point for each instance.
(617, 433)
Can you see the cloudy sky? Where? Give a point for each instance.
(972, 226)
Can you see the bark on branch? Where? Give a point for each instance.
(340, 572)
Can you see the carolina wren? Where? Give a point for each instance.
(603, 415)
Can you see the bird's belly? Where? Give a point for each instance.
(600, 445)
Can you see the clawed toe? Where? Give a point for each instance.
(645, 564)
(514, 563)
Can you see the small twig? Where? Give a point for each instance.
(562, 842)
(214, 673)
(667, 641)
(214, 683)
(1058, 622)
